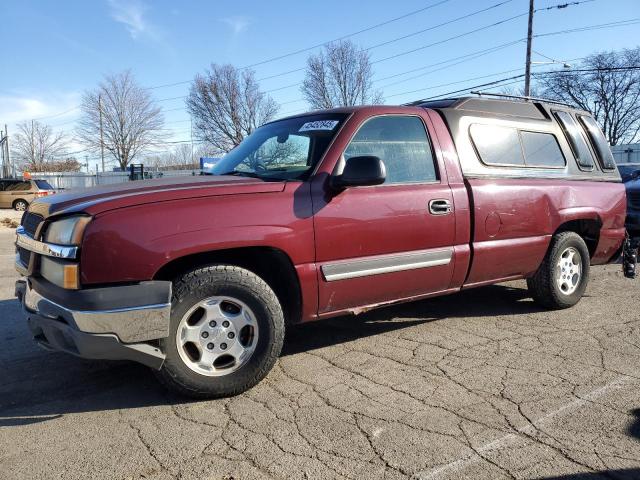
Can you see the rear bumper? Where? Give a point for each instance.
(609, 246)
(105, 323)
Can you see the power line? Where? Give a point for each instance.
(387, 42)
(443, 67)
(440, 42)
(455, 37)
(622, 23)
(454, 83)
(306, 49)
(58, 114)
(367, 29)
(472, 54)
(449, 22)
(521, 76)
(563, 5)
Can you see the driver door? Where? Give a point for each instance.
(392, 241)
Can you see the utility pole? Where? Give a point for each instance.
(527, 70)
(101, 132)
(192, 159)
(8, 155)
(2, 150)
(33, 144)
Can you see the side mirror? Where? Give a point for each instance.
(360, 172)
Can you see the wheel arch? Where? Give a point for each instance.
(587, 227)
(271, 264)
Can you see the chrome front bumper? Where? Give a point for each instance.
(90, 323)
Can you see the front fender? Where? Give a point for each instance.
(132, 244)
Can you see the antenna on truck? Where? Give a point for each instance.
(522, 97)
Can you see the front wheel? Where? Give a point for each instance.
(20, 205)
(226, 332)
(562, 278)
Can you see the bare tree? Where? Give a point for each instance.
(36, 144)
(226, 105)
(340, 76)
(175, 159)
(70, 164)
(610, 91)
(131, 121)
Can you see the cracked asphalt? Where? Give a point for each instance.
(481, 384)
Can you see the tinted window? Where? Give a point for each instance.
(5, 184)
(497, 145)
(18, 186)
(401, 143)
(575, 139)
(43, 185)
(541, 150)
(599, 143)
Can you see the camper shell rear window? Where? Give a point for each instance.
(576, 140)
(598, 142)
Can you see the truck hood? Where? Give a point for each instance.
(101, 198)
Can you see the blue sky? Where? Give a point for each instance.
(53, 51)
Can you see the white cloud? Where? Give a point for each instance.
(237, 24)
(52, 108)
(132, 15)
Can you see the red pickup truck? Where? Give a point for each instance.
(318, 215)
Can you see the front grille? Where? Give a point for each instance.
(25, 256)
(30, 222)
(634, 198)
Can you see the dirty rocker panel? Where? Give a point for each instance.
(386, 264)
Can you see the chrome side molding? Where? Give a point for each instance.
(396, 262)
(26, 241)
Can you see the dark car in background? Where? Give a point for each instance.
(630, 174)
(629, 171)
(18, 194)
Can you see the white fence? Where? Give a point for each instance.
(70, 180)
(629, 153)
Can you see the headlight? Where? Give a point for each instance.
(67, 231)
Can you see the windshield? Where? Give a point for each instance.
(282, 150)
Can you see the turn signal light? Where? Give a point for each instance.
(70, 277)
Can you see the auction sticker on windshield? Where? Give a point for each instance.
(319, 125)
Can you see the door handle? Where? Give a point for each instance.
(440, 207)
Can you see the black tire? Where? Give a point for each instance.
(544, 287)
(20, 205)
(236, 282)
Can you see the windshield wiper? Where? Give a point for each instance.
(240, 173)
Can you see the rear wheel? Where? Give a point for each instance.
(20, 205)
(562, 278)
(226, 332)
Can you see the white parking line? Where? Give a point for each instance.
(527, 430)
